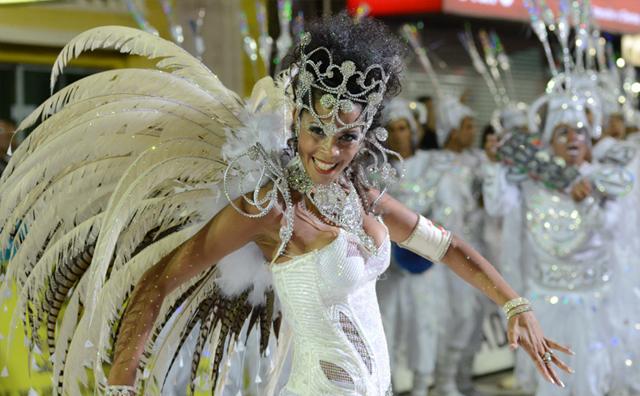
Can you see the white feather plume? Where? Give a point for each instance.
(245, 269)
(115, 161)
(137, 42)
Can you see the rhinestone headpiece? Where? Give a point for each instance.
(341, 86)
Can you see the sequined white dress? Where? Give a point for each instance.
(329, 300)
(564, 253)
(627, 250)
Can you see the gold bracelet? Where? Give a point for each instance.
(516, 302)
(519, 310)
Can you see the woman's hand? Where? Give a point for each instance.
(581, 190)
(524, 330)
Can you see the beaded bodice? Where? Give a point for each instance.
(569, 239)
(328, 298)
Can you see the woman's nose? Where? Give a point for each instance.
(572, 135)
(329, 147)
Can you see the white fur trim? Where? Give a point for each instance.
(243, 269)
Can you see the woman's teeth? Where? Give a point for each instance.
(324, 166)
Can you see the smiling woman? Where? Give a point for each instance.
(152, 254)
(326, 156)
(339, 91)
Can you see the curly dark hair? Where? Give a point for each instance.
(366, 43)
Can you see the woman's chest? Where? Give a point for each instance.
(334, 271)
(311, 233)
(335, 259)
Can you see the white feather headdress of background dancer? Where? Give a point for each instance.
(572, 93)
(495, 69)
(450, 111)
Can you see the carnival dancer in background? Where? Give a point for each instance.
(411, 291)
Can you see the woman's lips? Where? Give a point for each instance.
(323, 167)
(573, 150)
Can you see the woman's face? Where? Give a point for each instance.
(467, 132)
(399, 136)
(570, 143)
(616, 127)
(326, 157)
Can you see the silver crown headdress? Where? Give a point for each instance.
(589, 74)
(573, 92)
(341, 87)
(338, 88)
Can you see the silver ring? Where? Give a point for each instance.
(547, 357)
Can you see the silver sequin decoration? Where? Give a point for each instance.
(319, 72)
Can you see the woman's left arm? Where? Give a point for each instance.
(418, 234)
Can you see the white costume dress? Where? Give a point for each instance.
(627, 245)
(569, 272)
(328, 298)
(329, 301)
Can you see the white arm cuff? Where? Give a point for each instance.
(427, 240)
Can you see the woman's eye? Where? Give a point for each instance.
(316, 130)
(349, 137)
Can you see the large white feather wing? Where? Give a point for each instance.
(118, 170)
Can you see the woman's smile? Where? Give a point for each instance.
(324, 167)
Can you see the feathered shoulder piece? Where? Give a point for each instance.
(118, 170)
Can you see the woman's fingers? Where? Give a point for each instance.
(559, 347)
(547, 357)
(562, 365)
(552, 373)
(539, 350)
(540, 365)
(544, 370)
(513, 337)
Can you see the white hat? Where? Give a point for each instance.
(562, 108)
(398, 109)
(420, 111)
(450, 113)
(510, 117)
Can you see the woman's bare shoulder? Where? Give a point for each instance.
(399, 219)
(266, 214)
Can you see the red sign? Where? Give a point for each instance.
(395, 7)
(622, 16)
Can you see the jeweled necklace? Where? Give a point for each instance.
(338, 204)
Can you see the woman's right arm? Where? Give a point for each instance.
(226, 232)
